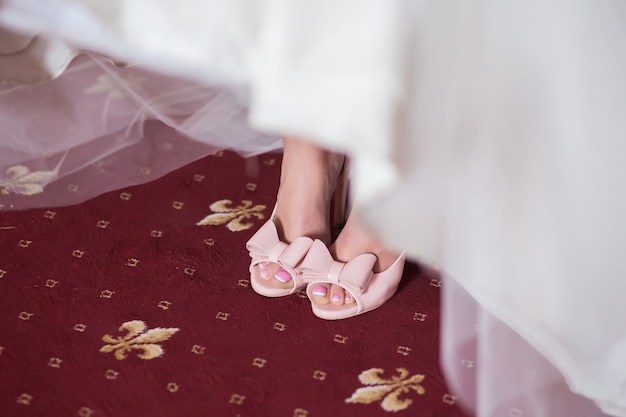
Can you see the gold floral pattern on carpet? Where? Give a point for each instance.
(139, 339)
(388, 391)
(20, 180)
(236, 218)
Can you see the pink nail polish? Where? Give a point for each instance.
(348, 298)
(283, 276)
(265, 273)
(262, 264)
(336, 297)
(319, 290)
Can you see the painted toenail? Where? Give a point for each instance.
(348, 298)
(319, 290)
(265, 273)
(283, 276)
(263, 265)
(336, 297)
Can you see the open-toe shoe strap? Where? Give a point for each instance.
(265, 246)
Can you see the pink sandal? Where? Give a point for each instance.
(265, 246)
(370, 290)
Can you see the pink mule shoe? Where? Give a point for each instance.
(369, 290)
(265, 246)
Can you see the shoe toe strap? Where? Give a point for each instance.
(353, 276)
(291, 254)
(288, 256)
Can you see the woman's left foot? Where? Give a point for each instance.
(353, 240)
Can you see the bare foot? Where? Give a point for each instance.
(307, 181)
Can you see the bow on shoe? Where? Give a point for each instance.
(319, 265)
(265, 246)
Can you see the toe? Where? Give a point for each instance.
(281, 278)
(265, 270)
(275, 274)
(348, 299)
(320, 294)
(337, 295)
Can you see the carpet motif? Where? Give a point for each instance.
(234, 217)
(137, 338)
(393, 391)
(20, 180)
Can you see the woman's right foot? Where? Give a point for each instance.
(308, 179)
(353, 240)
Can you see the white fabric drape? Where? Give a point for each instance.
(487, 139)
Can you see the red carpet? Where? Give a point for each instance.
(124, 306)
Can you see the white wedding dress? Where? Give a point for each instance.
(488, 138)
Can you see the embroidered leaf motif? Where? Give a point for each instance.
(135, 338)
(17, 171)
(221, 206)
(373, 376)
(150, 351)
(367, 395)
(390, 391)
(153, 336)
(217, 219)
(234, 217)
(19, 180)
(133, 328)
(237, 225)
(115, 87)
(393, 402)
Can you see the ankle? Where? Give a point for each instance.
(309, 175)
(294, 219)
